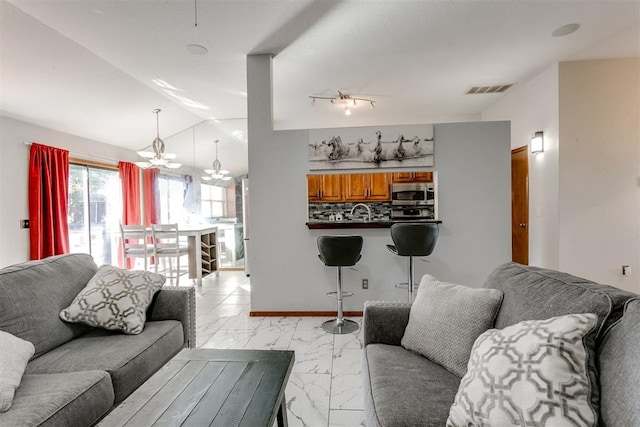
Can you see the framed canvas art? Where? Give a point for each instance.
(371, 147)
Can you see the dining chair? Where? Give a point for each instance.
(134, 243)
(166, 244)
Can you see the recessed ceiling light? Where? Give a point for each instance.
(565, 30)
(196, 49)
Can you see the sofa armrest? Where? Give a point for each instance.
(177, 304)
(385, 322)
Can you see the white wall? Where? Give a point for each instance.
(14, 170)
(599, 210)
(473, 164)
(531, 107)
(584, 192)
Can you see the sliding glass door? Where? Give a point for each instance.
(95, 212)
(171, 189)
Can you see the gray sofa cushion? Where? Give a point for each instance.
(619, 361)
(402, 388)
(34, 295)
(532, 293)
(54, 400)
(446, 319)
(129, 359)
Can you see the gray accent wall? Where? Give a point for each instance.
(473, 165)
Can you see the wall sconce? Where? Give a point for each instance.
(537, 142)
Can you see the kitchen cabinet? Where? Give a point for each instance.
(324, 188)
(359, 187)
(313, 187)
(412, 177)
(367, 187)
(380, 187)
(355, 187)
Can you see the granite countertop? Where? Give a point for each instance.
(365, 224)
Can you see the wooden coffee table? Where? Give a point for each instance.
(201, 387)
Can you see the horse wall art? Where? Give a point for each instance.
(371, 150)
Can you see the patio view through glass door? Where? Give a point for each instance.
(94, 212)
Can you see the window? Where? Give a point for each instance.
(213, 200)
(94, 212)
(171, 190)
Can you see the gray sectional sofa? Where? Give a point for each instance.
(403, 388)
(79, 373)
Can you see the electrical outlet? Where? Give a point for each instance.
(626, 270)
(24, 223)
(365, 283)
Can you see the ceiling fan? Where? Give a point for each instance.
(157, 157)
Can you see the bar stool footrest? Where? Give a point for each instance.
(344, 294)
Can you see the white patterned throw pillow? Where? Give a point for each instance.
(115, 299)
(534, 373)
(14, 355)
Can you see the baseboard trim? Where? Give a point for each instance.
(303, 314)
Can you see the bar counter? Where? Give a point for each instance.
(326, 225)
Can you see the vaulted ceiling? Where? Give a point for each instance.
(97, 68)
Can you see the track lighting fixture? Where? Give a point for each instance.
(348, 101)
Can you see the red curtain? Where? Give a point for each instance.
(130, 180)
(151, 196)
(48, 193)
(131, 212)
(131, 196)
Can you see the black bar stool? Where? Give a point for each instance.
(340, 251)
(413, 239)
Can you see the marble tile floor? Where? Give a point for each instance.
(325, 386)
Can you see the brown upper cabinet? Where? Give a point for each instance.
(313, 187)
(363, 187)
(412, 177)
(324, 188)
(359, 187)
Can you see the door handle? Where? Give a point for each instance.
(523, 225)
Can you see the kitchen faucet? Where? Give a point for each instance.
(364, 206)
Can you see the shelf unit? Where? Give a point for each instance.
(208, 254)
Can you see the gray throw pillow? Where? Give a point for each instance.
(445, 320)
(533, 373)
(14, 355)
(115, 299)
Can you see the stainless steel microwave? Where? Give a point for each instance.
(413, 194)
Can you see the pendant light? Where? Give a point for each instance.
(157, 157)
(217, 172)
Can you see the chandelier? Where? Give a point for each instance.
(348, 101)
(217, 172)
(157, 157)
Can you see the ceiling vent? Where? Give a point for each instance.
(478, 90)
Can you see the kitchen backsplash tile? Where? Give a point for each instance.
(380, 211)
